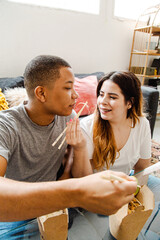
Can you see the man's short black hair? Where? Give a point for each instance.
(42, 70)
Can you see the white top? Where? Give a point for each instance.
(137, 146)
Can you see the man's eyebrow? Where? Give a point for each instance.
(70, 81)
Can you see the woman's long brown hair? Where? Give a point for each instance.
(105, 149)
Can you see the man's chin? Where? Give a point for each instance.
(65, 114)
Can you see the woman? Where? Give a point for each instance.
(118, 135)
(118, 138)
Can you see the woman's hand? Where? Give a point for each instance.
(74, 135)
(81, 165)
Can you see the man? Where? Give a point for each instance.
(28, 131)
(26, 152)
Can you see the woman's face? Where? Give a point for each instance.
(111, 102)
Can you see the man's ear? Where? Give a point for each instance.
(39, 92)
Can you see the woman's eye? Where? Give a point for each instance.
(112, 97)
(101, 94)
(68, 88)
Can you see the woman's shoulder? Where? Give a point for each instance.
(87, 127)
(87, 122)
(142, 124)
(87, 119)
(143, 120)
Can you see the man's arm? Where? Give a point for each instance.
(81, 165)
(20, 200)
(3, 166)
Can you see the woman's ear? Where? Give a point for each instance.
(130, 103)
(39, 92)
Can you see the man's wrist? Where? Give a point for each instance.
(71, 192)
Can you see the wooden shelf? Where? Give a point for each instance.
(142, 38)
(146, 53)
(155, 31)
(148, 76)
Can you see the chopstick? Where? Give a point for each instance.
(59, 147)
(112, 177)
(57, 139)
(138, 201)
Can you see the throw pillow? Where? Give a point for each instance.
(99, 75)
(86, 89)
(15, 96)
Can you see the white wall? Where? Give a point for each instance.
(88, 42)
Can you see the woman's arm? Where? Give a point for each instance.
(145, 147)
(67, 163)
(142, 164)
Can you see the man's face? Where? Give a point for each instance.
(61, 96)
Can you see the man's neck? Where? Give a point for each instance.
(38, 116)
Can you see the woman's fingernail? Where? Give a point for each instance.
(71, 120)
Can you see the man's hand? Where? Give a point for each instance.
(99, 195)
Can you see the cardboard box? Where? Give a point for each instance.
(54, 226)
(124, 226)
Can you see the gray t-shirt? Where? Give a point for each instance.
(28, 147)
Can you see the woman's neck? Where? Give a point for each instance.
(123, 123)
(121, 131)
